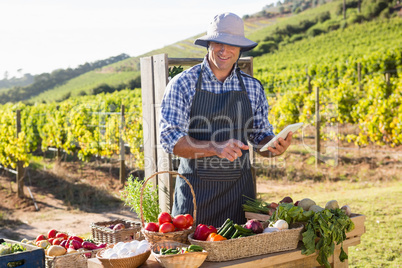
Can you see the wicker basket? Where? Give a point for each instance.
(187, 260)
(255, 245)
(102, 234)
(129, 262)
(76, 260)
(178, 236)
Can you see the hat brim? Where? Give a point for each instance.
(227, 39)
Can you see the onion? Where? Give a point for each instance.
(255, 226)
(281, 225)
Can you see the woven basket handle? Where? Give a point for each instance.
(172, 173)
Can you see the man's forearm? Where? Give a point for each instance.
(191, 148)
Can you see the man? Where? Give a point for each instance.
(208, 114)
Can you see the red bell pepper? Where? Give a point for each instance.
(202, 231)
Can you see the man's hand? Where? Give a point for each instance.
(230, 149)
(281, 145)
(191, 148)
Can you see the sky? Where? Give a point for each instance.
(38, 36)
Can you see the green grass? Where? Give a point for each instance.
(379, 201)
(260, 34)
(86, 83)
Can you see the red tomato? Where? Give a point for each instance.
(164, 217)
(152, 226)
(50, 241)
(40, 237)
(56, 241)
(180, 221)
(61, 235)
(166, 227)
(52, 233)
(189, 219)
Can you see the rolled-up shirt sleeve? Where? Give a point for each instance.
(175, 114)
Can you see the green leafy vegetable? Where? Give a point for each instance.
(8, 248)
(131, 195)
(290, 213)
(323, 229)
(328, 227)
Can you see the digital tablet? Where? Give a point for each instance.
(283, 134)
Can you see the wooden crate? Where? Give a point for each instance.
(360, 229)
(358, 220)
(33, 257)
(257, 216)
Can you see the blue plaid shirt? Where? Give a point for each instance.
(178, 98)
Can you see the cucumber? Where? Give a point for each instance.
(224, 225)
(242, 229)
(236, 234)
(229, 232)
(195, 248)
(222, 231)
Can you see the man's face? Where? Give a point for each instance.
(222, 58)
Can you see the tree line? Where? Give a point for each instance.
(46, 81)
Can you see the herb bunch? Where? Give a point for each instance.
(131, 195)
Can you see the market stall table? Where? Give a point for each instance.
(290, 258)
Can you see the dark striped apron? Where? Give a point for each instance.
(219, 184)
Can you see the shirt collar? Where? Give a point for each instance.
(211, 75)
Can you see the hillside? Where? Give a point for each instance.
(127, 71)
(297, 21)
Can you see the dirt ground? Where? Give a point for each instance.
(70, 196)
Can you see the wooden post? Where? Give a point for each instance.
(165, 181)
(387, 78)
(20, 164)
(359, 75)
(359, 6)
(122, 149)
(148, 117)
(317, 125)
(344, 9)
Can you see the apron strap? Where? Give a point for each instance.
(199, 80)
(240, 78)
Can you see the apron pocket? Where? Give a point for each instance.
(218, 169)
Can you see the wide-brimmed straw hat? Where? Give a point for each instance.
(226, 28)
